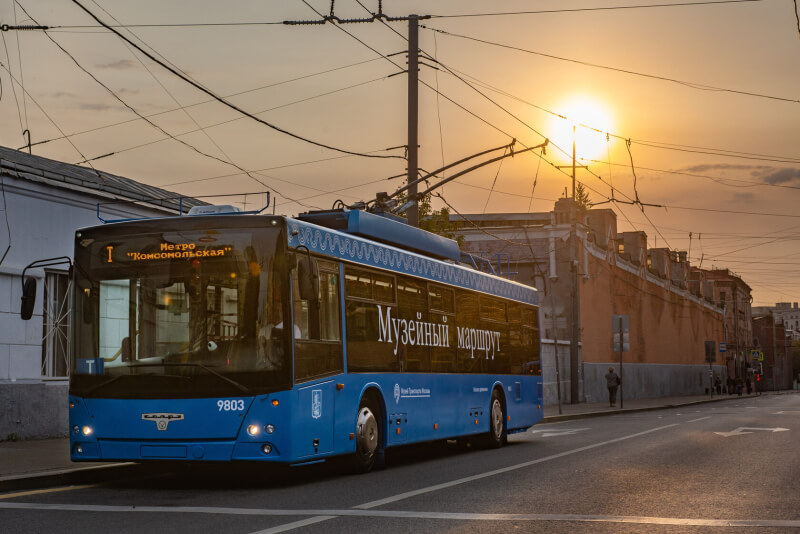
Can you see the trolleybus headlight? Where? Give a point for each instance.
(79, 449)
(252, 430)
(87, 430)
(76, 429)
(266, 448)
(269, 429)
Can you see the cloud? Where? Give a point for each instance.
(725, 167)
(764, 173)
(781, 176)
(122, 64)
(94, 106)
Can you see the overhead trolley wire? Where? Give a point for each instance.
(239, 93)
(599, 8)
(225, 102)
(652, 144)
(692, 85)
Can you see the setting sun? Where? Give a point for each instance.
(588, 116)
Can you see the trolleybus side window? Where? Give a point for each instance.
(530, 341)
(467, 332)
(321, 354)
(412, 305)
(442, 312)
(494, 323)
(368, 294)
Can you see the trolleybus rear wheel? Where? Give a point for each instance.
(368, 437)
(497, 424)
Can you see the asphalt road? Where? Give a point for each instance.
(670, 471)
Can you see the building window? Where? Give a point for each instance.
(56, 316)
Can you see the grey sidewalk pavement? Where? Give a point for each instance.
(28, 464)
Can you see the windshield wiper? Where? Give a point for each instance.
(241, 387)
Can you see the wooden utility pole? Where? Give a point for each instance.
(413, 88)
(574, 315)
(413, 114)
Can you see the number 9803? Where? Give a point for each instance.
(230, 405)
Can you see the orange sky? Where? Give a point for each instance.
(698, 62)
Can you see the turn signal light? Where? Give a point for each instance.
(275, 402)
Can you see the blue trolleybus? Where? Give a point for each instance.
(264, 338)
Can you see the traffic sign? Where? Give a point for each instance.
(620, 327)
(757, 355)
(723, 347)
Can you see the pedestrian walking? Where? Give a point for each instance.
(612, 382)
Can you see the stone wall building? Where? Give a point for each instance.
(43, 202)
(734, 296)
(670, 317)
(770, 336)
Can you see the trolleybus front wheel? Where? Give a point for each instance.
(497, 422)
(368, 434)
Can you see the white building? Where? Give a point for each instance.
(42, 203)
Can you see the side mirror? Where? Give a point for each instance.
(28, 298)
(308, 279)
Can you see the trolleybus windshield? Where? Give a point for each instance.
(171, 311)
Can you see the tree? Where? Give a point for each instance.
(435, 221)
(582, 197)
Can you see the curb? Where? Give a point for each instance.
(67, 477)
(602, 413)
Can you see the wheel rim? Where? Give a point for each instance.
(497, 419)
(366, 433)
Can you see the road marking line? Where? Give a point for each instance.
(327, 515)
(324, 515)
(696, 420)
(297, 524)
(445, 485)
(49, 490)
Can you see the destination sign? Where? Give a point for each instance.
(167, 251)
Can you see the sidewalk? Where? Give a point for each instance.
(596, 409)
(37, 463)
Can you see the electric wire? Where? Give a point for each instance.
(131, 108)
(49, 118)
(173, 110)
(227, 159)
(721, 181)
(494, 182)
(225, 102)
(214, 125)
(584, 9)
(13, 87)
(692, 85)
(652, 144)
(21, 74)
(5, 213)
